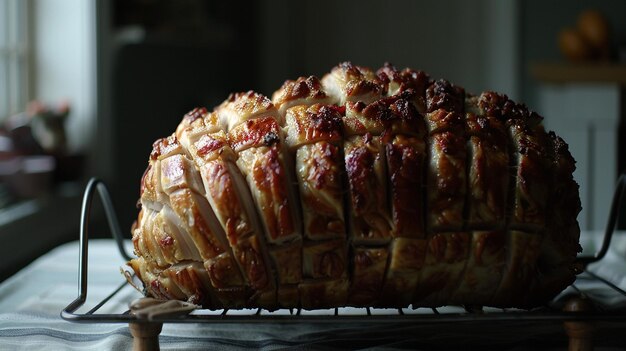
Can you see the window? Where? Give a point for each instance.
(14, 51)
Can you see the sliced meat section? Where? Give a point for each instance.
(287, 259)
(557, 261)
(348, 82)
(484, 269)
(446, 256)
(316, 134)
(370, 221)
(318, 294)
(532, 179)
(365, 188)
(255, 135)
(186, 281)
(156, 239)
(522, 251)
(368, 273)
(446, 182)
(488, 183)
(264, 170)
(190, 206)
(406, 260)
(304, 91)
(230, 199)
(443, 95)
(242, 107)
(398, 82)
(325, 259)
(406, 158)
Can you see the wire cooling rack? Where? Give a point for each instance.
(590, 287)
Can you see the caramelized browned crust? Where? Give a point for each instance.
(488, 159)
(446, 176)
(184, 227)
(405, 168)
(446, 182)
(241, 107)
(216, 162)
(258, 144)
(304, 91)
(356, 122)
(306, 125)
(255, 133)
(365, 189)
(348, 82)
(315, 132)
(227, 203)
(365, 170)
(556, 263)
(444, 121)
(197, 123)
(257, 140)
(505, 109)
(532, 181)
(443, 95)
(265, 173)
(398, 82)
(318, 171)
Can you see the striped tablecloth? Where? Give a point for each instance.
(31, 300)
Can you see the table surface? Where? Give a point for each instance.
(31, 300)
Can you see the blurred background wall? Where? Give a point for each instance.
(153, 78)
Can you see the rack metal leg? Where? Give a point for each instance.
(145, 336)
(580, 333)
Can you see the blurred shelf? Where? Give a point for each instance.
(30, 228)
(593, 72)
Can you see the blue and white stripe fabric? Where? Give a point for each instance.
(31, 300)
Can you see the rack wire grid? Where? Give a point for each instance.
(552, 311)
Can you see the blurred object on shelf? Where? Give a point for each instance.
(573, 46)
(19, 137)
(46, 124)
(33, 151)
(590, 40)
(595, 30)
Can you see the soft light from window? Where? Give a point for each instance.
(13, 56)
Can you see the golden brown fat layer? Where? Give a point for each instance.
(409, 192)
